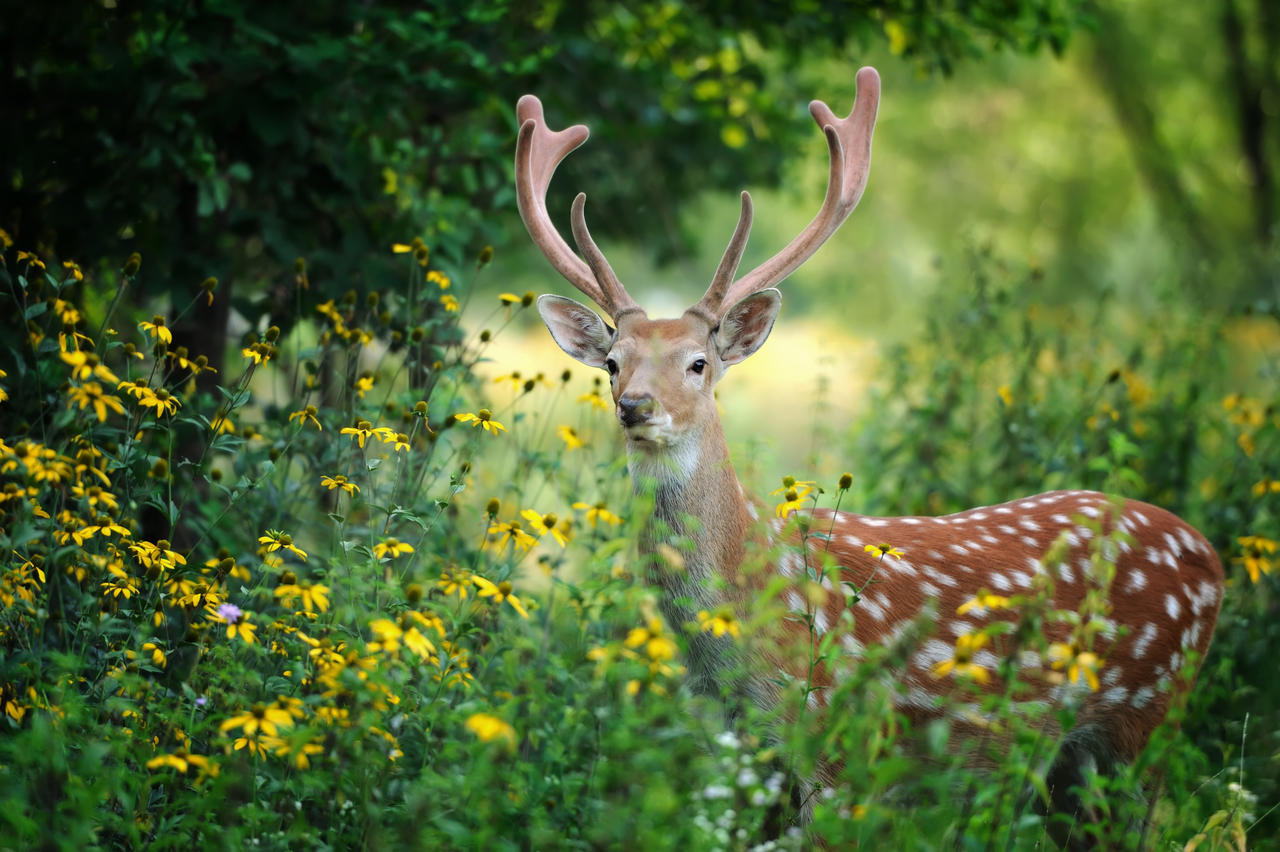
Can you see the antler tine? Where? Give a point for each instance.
(849, 145)
(617, 301)
(709, 306)
(539, 149)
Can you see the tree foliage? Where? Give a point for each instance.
(223, 137)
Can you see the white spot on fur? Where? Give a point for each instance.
(789, 565)
(796, 603)
(1172, 607)
(1090, 511)
(1137, 580)
(875, 522)
(855, 648)
(821, 621)
(1141, 518)
(1142, 696)
(872, 609)
(1148, 635)
(929, 590)
(933, 651)
(1001, 582)
(1116, 695)
(912, 521)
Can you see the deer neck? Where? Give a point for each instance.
(694, 542)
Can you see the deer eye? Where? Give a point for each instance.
(698, 366)
(611, 365)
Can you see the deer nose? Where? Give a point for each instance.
(633, 410)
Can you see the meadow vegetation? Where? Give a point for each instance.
(357, 592)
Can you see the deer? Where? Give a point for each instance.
(1167, 584)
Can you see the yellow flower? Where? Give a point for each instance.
(180, 760)
(792, 501)
(719, 624)
(597, 513)
(260, 352)
(455, 581)
(962, 663)
(510, 532)
(31, 259)
(1006, 395)
(305, 416)
(158, 399)
(315, 597)
(544, 524)
(438, 278)
(264, 718)
(340, 481)
(450, 303)
(595, 400)
(85, 365)
(499, 593)
(984, 600)
(1266, 486)
(157, 330)
(490, 729)
(570, 437)
(883, 550)
(483, 419)
(363, 430)
(91, 393)
(793, 493)
(157, 555)
(657, 645)
(1079, 664)
(391, 547)
(391, 635)
(1256, 558)
(275, 539)
(364, 384)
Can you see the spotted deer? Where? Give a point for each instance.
(1168, 581)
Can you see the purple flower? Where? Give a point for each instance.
(230, 612)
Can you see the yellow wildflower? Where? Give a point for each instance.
(500, 593)
(597, 513)
(1079, 664)
(570, 437)
(984, 600)
(720, 624)
(276, 539)
(340, 481)
(544, 524)
(490, 729)
(91, 393)
(391, 547)
(307, 415)
(482, 419)
(962, 663)
(157, 330)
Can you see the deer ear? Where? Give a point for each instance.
(577, 329)
(747, 324)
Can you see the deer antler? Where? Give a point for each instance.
(539, 149)
(849, 144)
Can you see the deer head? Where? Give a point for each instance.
(663, 372)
